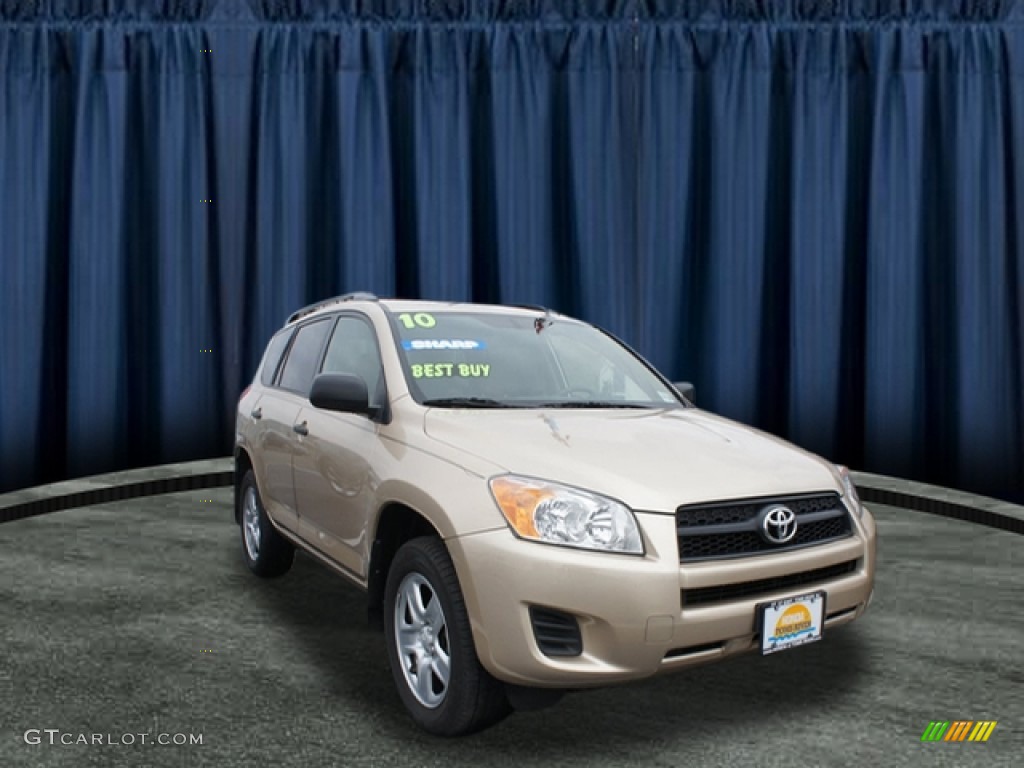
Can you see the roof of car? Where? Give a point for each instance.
(410, 305)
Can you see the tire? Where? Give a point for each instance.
(266, 552)
(470, 699)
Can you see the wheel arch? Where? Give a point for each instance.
(396, 523)
(243, 463)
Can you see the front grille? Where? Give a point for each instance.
(705, 595)
(556, 633)
(733, 529)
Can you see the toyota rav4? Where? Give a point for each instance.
(530, 507)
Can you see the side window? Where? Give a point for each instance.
(353, 349)
(272, 357)
(300, 366)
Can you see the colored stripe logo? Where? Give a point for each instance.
(958, 730)
(982, 730)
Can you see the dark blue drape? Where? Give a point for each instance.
(809, 209)
(835, 247)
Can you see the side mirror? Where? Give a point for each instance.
(687, 390)
(342, 392)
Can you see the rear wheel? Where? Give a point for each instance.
(266, 552)
(430, 646)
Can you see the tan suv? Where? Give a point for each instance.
(531, 507)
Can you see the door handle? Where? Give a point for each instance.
(302, 429)
(257, 413)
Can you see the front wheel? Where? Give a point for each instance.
(430, 646)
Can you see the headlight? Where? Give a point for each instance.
(849, 490)
(556, 514)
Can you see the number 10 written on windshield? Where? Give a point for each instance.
(418, 320)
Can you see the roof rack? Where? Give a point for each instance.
(308, 310)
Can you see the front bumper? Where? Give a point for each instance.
(630, 609)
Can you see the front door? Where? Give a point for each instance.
(333, 465)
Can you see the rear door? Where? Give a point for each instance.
(279, 410)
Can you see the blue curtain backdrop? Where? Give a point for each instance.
(812, 210)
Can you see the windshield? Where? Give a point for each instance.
(491, 360)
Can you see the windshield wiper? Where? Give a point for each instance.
(467, 402)
(591, 404)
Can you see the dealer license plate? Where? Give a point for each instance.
(791, 622)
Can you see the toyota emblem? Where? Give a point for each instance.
(778, 525)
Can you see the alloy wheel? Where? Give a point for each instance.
(421, 635)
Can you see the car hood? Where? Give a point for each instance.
(653, 460)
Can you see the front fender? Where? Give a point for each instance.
(455, 501)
